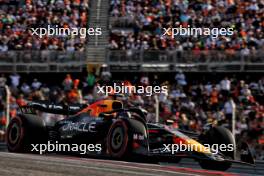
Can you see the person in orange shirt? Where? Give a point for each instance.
(74, 95)
(21, 101)
(214, 98)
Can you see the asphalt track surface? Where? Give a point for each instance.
(62, 165)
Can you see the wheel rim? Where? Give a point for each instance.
(14, 133)
(117, 138)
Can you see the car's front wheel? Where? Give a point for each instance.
(219, 135)
(118, 140)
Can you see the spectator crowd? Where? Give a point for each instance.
(144, 26)
(140, 25)
(189, 103)
(18, 17)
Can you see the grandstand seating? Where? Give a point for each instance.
(18, 18)
(146, 18)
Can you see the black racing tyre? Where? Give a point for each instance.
(23, 131)
(219, 135)
(15, 137)
(118, 140)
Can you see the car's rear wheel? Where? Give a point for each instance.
(219, 135)
(23, 131)
(16, 135)
(118, 140)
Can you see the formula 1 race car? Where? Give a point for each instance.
(121, 132)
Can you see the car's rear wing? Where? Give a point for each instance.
(48, 107)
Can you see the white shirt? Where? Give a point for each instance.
(180, 78)
(25, 88)
(225, 84)
(3, 48)
(229, 105)
(36, 85)
(208, 88)
(15, 80)
(2, 81)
